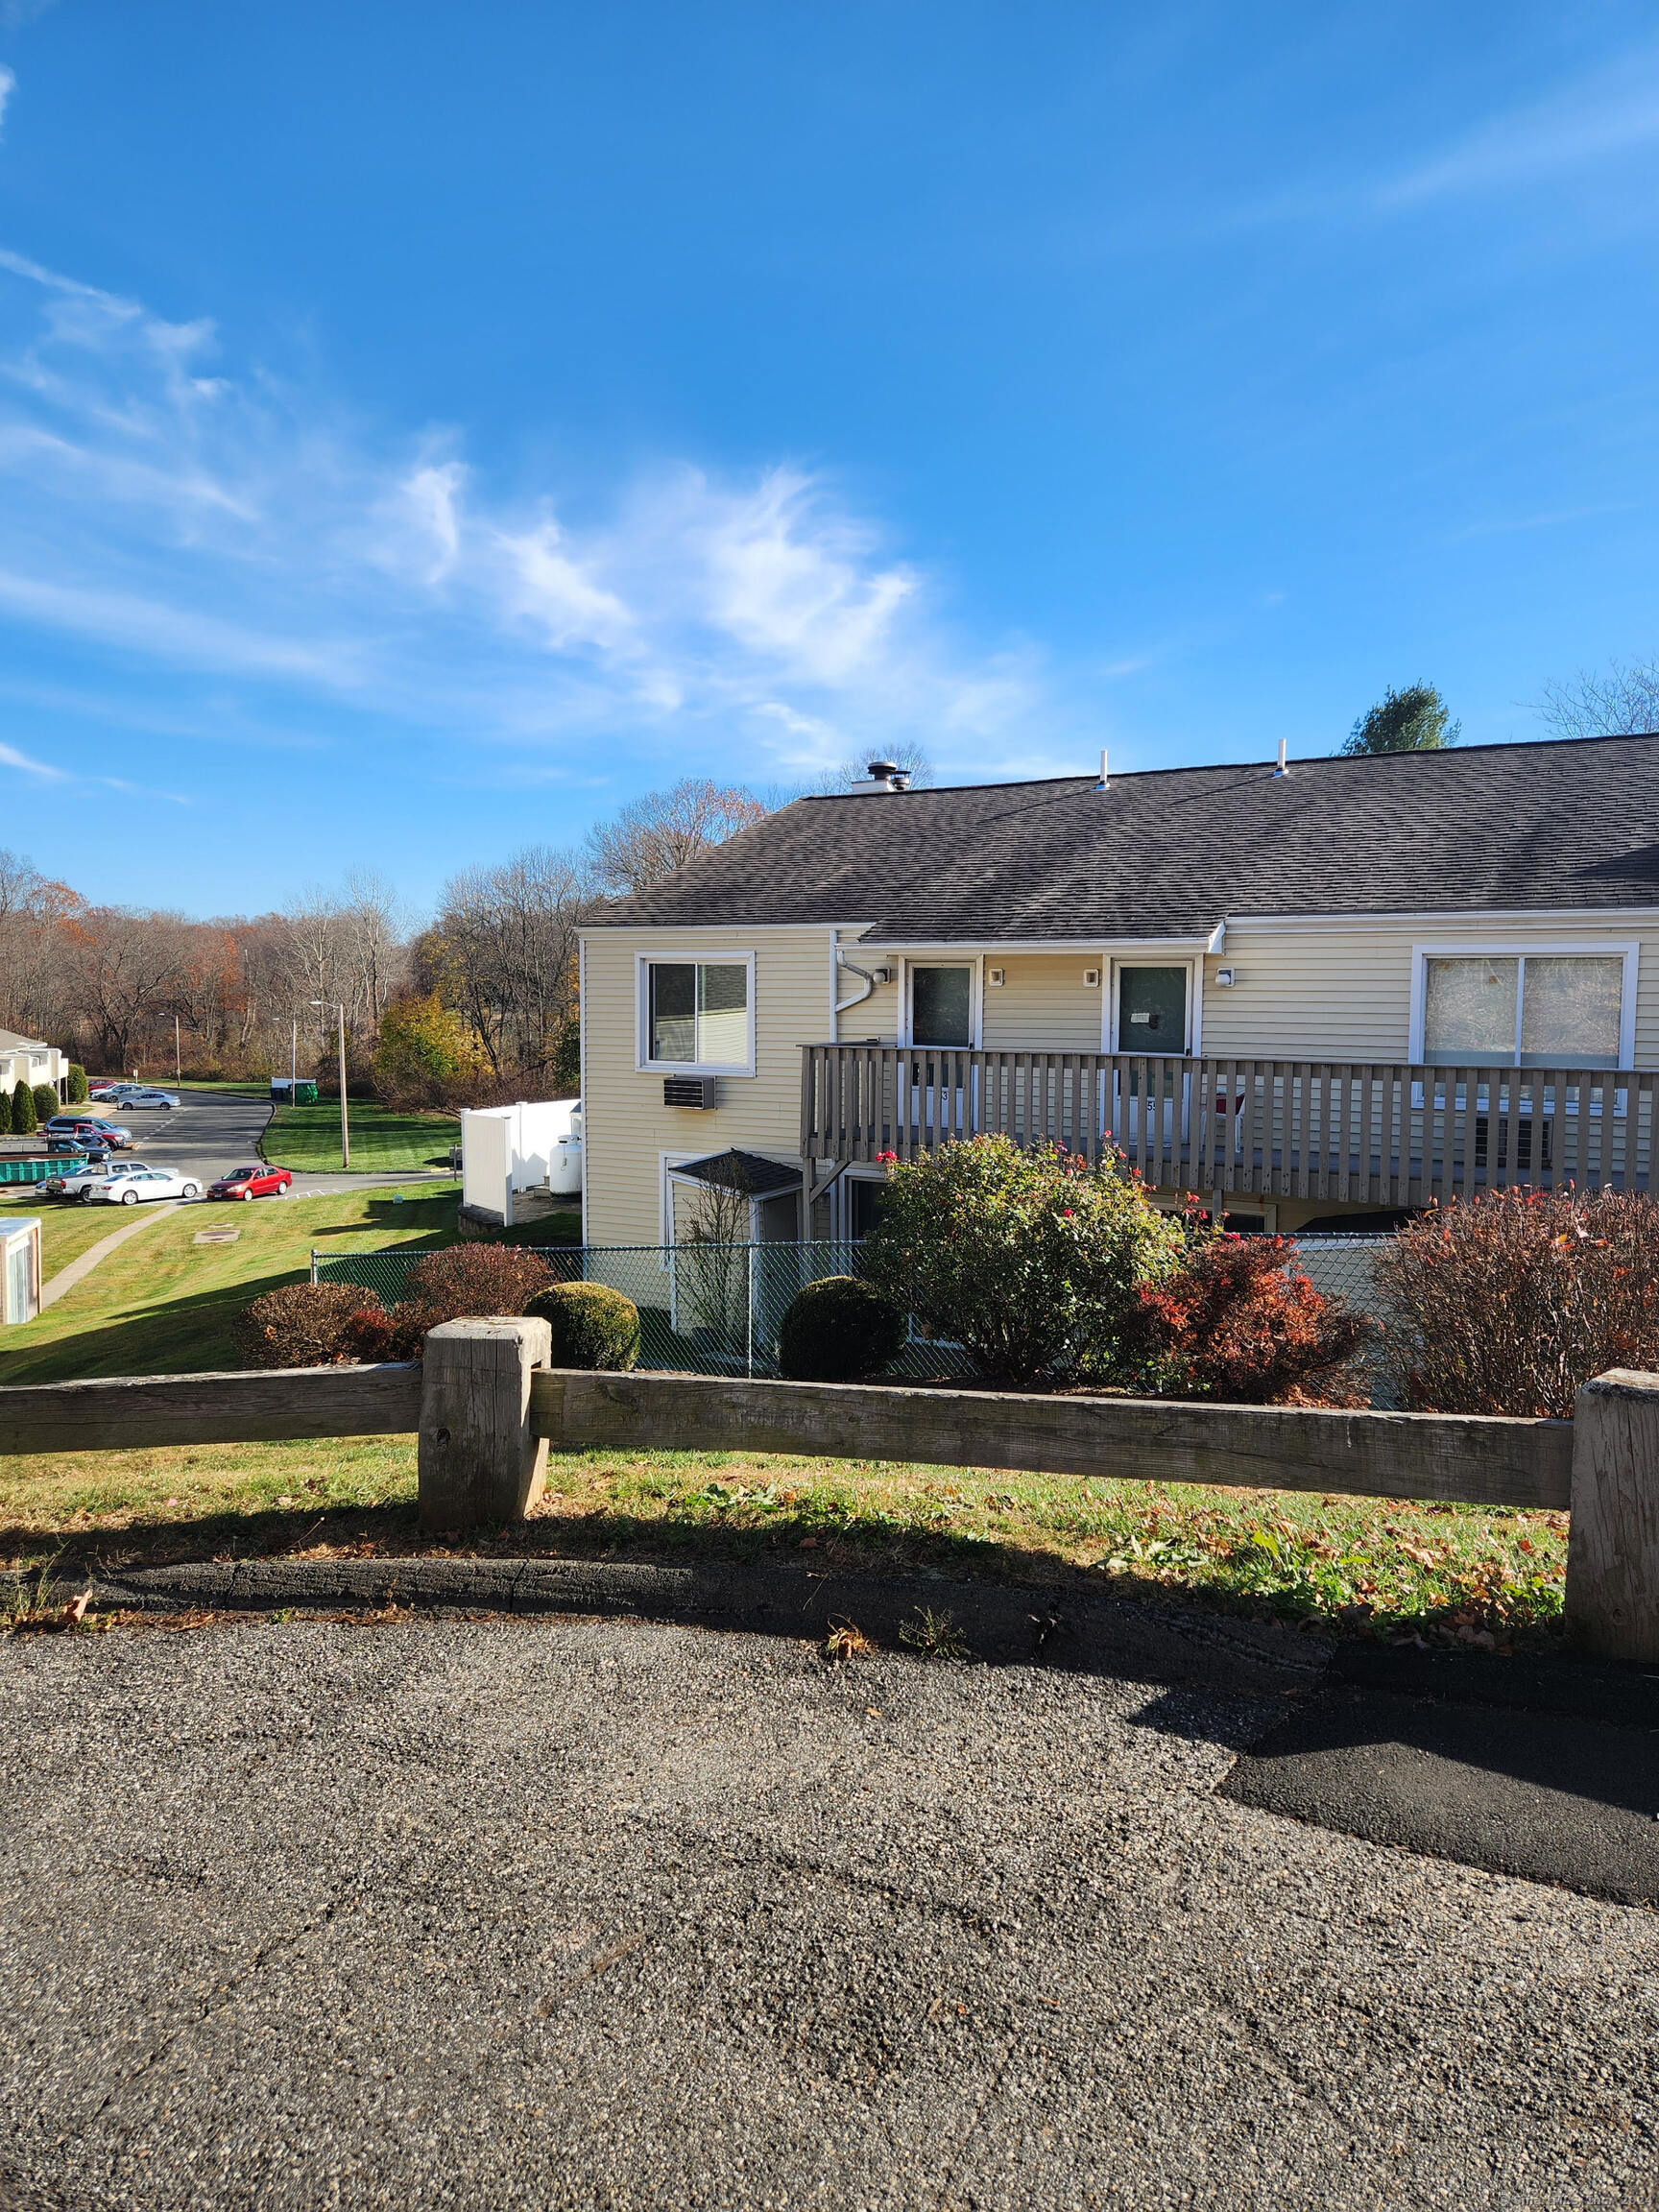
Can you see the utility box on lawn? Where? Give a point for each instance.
(287, 1090)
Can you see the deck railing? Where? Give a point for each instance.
(1371, 1133)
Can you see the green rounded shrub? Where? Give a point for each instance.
(46, 1103)
(24, 1118)
(593, 1324)
(75, 1089)
(839, 1330)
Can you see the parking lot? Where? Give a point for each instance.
(212, 1131)
(571, 1912)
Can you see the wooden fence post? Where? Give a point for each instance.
(479, 1459)
(1613, 1548)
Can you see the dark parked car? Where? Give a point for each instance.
(257, 1182)
(89, 1126)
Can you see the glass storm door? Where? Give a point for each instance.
(941, 1087)
(1152, 1020)
(1151, 1009)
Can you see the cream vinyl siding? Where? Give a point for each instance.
(876, 1016)
(625, 1126)
(1045, 1005)
(1342, 990)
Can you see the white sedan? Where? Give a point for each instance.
(148, 1182)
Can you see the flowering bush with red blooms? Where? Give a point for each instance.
(1511, 1302)
(1236, 1322)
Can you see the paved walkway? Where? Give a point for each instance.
(78, 1270)
(565, 1913)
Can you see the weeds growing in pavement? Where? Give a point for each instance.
(934, 1635)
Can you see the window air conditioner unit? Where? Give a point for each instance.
(700, 1091)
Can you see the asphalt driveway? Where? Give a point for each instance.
(575, 1912)
(212, 1131)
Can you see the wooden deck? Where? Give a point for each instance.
(1366, 1133)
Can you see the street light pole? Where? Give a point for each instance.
(344, 1125)
(178, 1052)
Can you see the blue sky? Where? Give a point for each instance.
(421, 428)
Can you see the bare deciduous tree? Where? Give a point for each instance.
(1623, 702)
(123, 972)
(503, 954)
(654, 835)
(33, 910)
(907, 757)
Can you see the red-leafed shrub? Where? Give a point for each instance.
(372, 1335)
(471, 1279)
(1510, 1302)
(1236, 1322)
(309, 1325)
(462, 1282)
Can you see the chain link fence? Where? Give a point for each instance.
(716, 1309)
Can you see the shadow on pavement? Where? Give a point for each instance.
(1552, 1796)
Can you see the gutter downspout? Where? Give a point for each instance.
(846, 1005)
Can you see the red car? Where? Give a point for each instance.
(260, 1182)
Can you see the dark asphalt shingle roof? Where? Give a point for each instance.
(746, 1171)
(1171, 852)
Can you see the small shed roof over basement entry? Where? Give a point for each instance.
(746, 1171)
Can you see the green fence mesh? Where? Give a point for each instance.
(715, 1308)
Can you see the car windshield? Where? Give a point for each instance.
(241, 1174)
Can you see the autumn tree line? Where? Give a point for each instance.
(479, 1005)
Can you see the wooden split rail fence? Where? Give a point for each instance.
(487, 1405)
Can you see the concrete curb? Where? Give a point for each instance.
(1003, 1625)
(1000, 1624)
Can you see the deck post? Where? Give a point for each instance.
(479, 1459)
(1613, 1544)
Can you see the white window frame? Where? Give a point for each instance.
(1489, 949)
(643, 1063)
(1109, 1025)
(974, 963)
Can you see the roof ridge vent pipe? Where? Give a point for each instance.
(1105, 782)
(882, 776)
(1283, 769)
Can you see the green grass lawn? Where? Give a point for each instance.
(163, 1305)
(308, 1138)
(1452, 1573)
(65, 1229)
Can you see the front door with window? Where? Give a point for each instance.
(1151, 1009)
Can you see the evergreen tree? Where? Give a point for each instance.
(1415, 720)
(24, 1118)
(5, 1113)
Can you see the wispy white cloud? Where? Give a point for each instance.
(12, 757)
(163, 507)
(8, 86)
(1599, 117)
